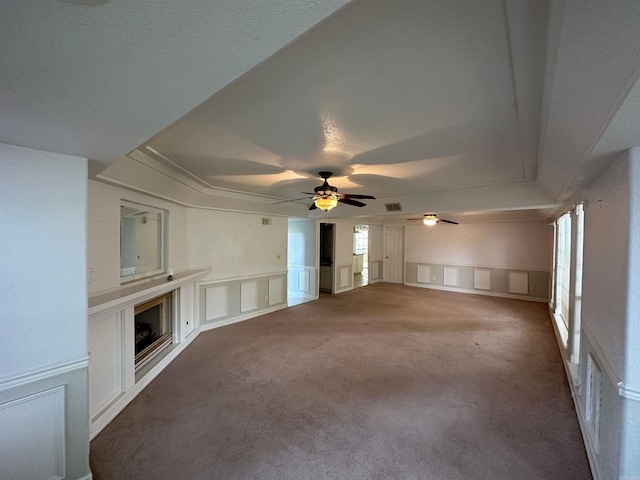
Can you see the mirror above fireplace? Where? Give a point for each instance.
(142, 245)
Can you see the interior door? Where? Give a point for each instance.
(394, 254)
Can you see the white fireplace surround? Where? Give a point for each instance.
(113, 380)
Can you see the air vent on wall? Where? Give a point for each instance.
(393, 207)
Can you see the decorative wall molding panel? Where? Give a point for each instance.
(375, 270)
(302, 282)
(32, 438)
(228, 301)
(519, 283)
(343, 277)
(215, 300)
(451, 276)
(276, 291)
(248, 296)
(479, 280)
(482, 278)
(424, 273)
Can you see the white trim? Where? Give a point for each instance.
(628, 392)
(479, 292)
(248, 277)
(45, 373)
(519, 268)
(240, 318)
(602, 358)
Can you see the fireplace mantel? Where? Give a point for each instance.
(132, 294)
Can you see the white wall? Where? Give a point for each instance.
(517, 245)
(42, 252)
(301, 248)
(375, 243)
(610, 312)
(44, 430)
(103, 222)
(236, 244)
(606, 244)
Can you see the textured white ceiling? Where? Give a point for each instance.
(450, 106)
(97, 81)
(393, 97)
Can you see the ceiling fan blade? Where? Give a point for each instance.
(355, 203)
(292, 200)
(349, 195)
(313, 206)
(421, 218)
(447, 221)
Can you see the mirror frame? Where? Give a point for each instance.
(162, 235)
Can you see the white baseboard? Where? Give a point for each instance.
(479, 292)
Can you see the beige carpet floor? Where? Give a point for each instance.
(382, 382)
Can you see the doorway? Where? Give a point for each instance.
(360, 256)
(327, 240)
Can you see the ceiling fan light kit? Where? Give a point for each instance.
(430, 219)
(325, 197)
(326, 203)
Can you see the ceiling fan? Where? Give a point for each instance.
(326, 196)
(430, 219)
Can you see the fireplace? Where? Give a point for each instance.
(154, 325)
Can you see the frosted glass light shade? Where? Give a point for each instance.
(326, 203)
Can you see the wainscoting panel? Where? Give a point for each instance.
(275, 291)
(451, 276)
(32, 438)
(216, 304)
(424, 273)
(105, 363)
(227, 301)
(344, 277)
(374, 271)
(303, 281)
(482, 278)
(519, 283)
(248, 296)
(525, 284)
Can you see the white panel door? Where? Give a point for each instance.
(394, 254)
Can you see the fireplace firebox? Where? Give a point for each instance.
(154, 325)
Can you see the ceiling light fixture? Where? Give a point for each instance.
(326, 203)
(430, 220)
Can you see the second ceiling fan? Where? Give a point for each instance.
(430, 219)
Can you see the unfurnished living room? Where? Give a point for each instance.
(285, 239)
